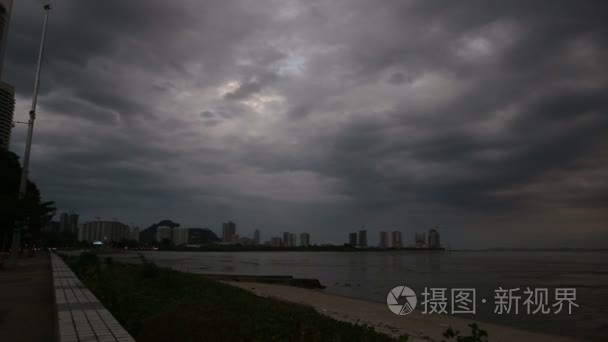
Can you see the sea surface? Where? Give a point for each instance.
(371, 275)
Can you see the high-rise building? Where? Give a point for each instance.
(256, 237)
(292, 240)
(163, 233)
(64, 222)
(383, 240)
(7, 92)
(73, 223)
(180, 236)
(396, 239)
(352, 239)
(106, 231)
(434, 241)
(5, 19)
(7, 108)
(228, 231)
(363, 238)
(420, 239)
(304, 239)
(286, 239)
(275, 241)
(134, 233)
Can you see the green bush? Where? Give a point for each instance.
(477, 335)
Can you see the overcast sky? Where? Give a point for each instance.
(485, 118)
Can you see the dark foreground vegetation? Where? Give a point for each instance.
(157, 304)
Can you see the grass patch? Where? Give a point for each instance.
(158, 304)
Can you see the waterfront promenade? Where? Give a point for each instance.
(26, 301)
(80, 315)
(42, 300)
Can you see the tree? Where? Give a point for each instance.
(28, 212)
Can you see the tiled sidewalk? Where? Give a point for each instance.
(81, 317)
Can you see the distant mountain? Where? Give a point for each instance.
(149, 234)
(202, 236)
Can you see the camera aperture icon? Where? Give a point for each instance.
(401, 300)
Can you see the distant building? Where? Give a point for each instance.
(228, 231)
(275, 241)
(420, 239)
(73, 223)
(7, 109)
(363, 238)
(292, 240)
(64, 222)
(396, 239)
(162, 233)
(352, 239)
(52, 226)
(304, 239)
(434, 240)
(134, 233)
(383, 240)
(256, 237)
(244, 241)
(106, 231)
(180, 236)
(286, 239)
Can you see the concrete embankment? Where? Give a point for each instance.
(269, 279)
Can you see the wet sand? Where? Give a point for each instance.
(416, 325)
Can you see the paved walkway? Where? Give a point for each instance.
(26, 301)
(81, 317)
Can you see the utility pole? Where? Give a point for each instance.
(16, 244)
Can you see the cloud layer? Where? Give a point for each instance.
(486, 118)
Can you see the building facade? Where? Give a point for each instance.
(420, 239)
(64, 222)
(162, 233)
(383, 240)
(352, 239)
(5, 20)
(228, 231)
(363, 238)
(396, 239)
(106, 231)
(275, 241)
(256, 237)
(134, 233)
(286, 239)
(7, 109)
(434, 240)
(73, 223)
(304, 239)
(7, 92)
(180, 236)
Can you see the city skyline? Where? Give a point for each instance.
(487, 123)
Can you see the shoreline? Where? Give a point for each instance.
(416, 325)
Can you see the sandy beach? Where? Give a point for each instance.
(416, 325)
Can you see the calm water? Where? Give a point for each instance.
(371, 275)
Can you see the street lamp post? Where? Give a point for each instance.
(16, 243)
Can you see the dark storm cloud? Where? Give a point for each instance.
(352, 112)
